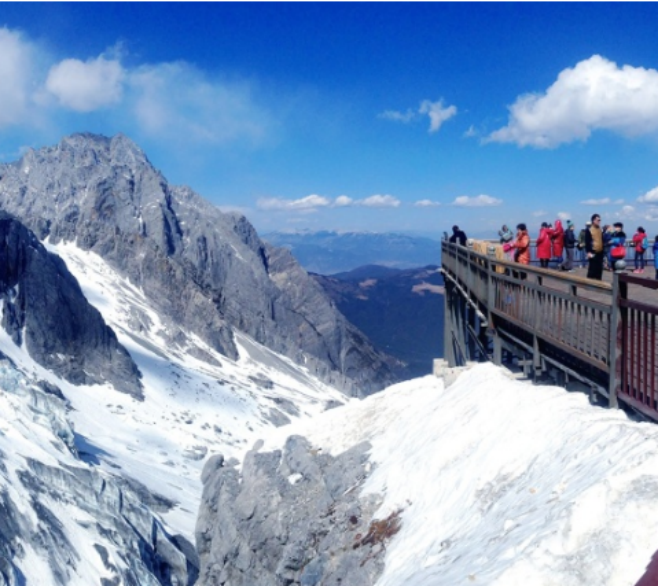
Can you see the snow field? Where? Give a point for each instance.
(500, 482)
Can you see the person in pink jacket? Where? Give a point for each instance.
(558, 241)
(544, 245)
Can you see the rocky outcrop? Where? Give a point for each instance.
(206, 271)
(86, 526)
(291, 517)
(44, 309)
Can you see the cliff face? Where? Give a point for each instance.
(290, 517)
(208, 272)
(44, 309)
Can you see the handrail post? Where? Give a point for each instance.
(615, 332)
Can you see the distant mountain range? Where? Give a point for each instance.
(330, 252)
(401, 311)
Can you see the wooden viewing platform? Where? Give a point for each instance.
(603, 333)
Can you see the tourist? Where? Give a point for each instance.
(582, 254)
(458, 236)
(594, 248)
(505, 234)
(608, 229)
(569, 247)
(544, 245)
(506, 237)
(522, 245)
(557, 239)
(655, 255)
(618, 244)
(641, 243)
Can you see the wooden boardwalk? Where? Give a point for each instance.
(604, 333)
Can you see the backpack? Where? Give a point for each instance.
(645, 243)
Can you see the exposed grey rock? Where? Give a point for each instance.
(290, 517)
(207, 272)
(45, 309)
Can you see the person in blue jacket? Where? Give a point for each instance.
(655, 255)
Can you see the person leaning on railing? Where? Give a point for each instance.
(521, 245)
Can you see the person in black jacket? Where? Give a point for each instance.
(594, 248)
(458, 236)
(570, 241)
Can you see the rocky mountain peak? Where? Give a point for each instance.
(208, 272)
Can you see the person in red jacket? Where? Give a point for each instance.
(544, 244)
(521, 245)
(641, 243)
(558, 241)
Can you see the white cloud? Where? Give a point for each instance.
(17, 58)
(626, 213)
(396, 116)
(342, 201)
(595, 94)
(311, 202)
(177, 100)
(379, 201)
(437, 113)
(596, 202)
(471, 132)
(563, 215)
(426, 204)
(476, 201)
(650, 197)
(650, 214)
(85, 86)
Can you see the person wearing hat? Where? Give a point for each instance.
(569, 246)
(582, 255)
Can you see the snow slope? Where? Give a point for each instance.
(499, 482)
(192, 408)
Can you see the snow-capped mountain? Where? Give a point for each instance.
(205, 271)
(115, 479)
(142, 330)
(486, 481)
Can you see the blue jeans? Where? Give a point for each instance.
(639, 260)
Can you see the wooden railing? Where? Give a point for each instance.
(584, 329)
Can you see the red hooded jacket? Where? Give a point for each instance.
(558, 239)
(544, 243)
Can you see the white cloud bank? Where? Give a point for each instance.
(476, 201)
(17, 58)
(595, 94)
(438, 113)
(426, 204)
(86, 86)
(313, 202)
(651, 197)
(163, 100)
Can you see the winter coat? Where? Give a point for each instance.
(618, 239)
(655, 254)
(506, 236)
(458, 236)
(558, 239)
(544, 243)
(570, 238)
(582, 237)
(638, 237)
(522, 246)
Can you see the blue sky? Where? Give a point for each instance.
(369, 116)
